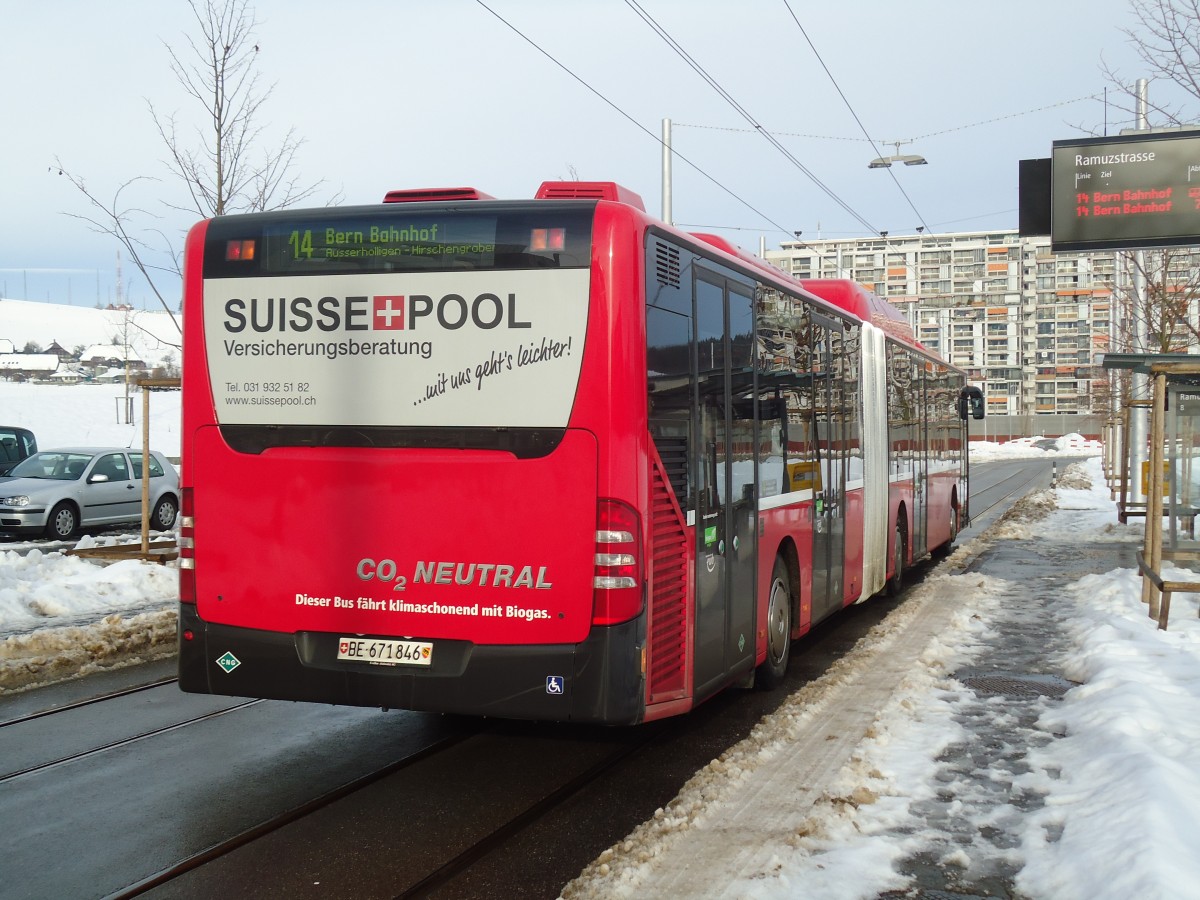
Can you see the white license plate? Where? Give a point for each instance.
(385, 653)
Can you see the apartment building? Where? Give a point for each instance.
(1027, 324)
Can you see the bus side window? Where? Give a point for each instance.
(772, 473)
(669, 390)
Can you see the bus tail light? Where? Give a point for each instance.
(187, 548)
(617, 583)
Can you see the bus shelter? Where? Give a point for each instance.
(1170, 477)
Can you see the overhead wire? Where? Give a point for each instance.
(850, 107)
(757, 127)
(745, 114)
(919, 137)
(630, 118)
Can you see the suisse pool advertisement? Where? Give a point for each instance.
(476, 348)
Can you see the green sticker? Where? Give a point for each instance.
(710, 535)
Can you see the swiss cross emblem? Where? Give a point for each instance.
(388, 313)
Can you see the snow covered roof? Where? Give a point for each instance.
(28, 362)
(110, 351)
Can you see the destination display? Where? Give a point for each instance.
(396, 240)
(1127, 192)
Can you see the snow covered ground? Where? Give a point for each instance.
(64, 616)
(73, 415)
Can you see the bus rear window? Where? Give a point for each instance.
(400, 238)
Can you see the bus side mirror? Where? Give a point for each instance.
(970, 403)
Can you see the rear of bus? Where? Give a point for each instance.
(409, 476)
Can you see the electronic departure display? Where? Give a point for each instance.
(1135, 191)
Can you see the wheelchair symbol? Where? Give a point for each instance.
(554, 684)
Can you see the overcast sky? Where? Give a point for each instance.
(413, 93)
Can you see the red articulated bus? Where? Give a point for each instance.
(545, 459)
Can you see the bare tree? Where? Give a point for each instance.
(1167, 313)
(1166, 39)
(1167, 310)
(226, 165)
(116, 219)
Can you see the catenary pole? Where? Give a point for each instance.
(666, 171)
(1140, 384)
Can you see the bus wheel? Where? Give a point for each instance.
(944, 549)
(896, 582)
(779, 629)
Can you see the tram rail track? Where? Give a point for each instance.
(441, 873)
(519, 813)
(279, 821)
(997, 494)
(465, 860)
(122, 742)
(87, 701)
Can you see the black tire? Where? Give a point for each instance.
(944, 549)
(779, 629)
(899, 551)
(63, 523)
(163, 517)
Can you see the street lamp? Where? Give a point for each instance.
(909, 159)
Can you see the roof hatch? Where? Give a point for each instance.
(423, 195)
(589, 190)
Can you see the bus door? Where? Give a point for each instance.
(829, 522)
(726, 508)
(916, 540)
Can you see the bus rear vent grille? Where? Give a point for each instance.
(668, 593)
(666, 264)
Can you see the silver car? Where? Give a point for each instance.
(58, 492)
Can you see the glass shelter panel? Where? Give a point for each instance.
(1183, 466)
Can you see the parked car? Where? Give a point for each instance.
(15, 445)
(58, 492)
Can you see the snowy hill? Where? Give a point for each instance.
(152, 335)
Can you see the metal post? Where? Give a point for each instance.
(1139, 384)
(666, 171)
(1123, 506)
(145, 470)
(1152, 545)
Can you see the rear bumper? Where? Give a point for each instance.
(601, 678)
